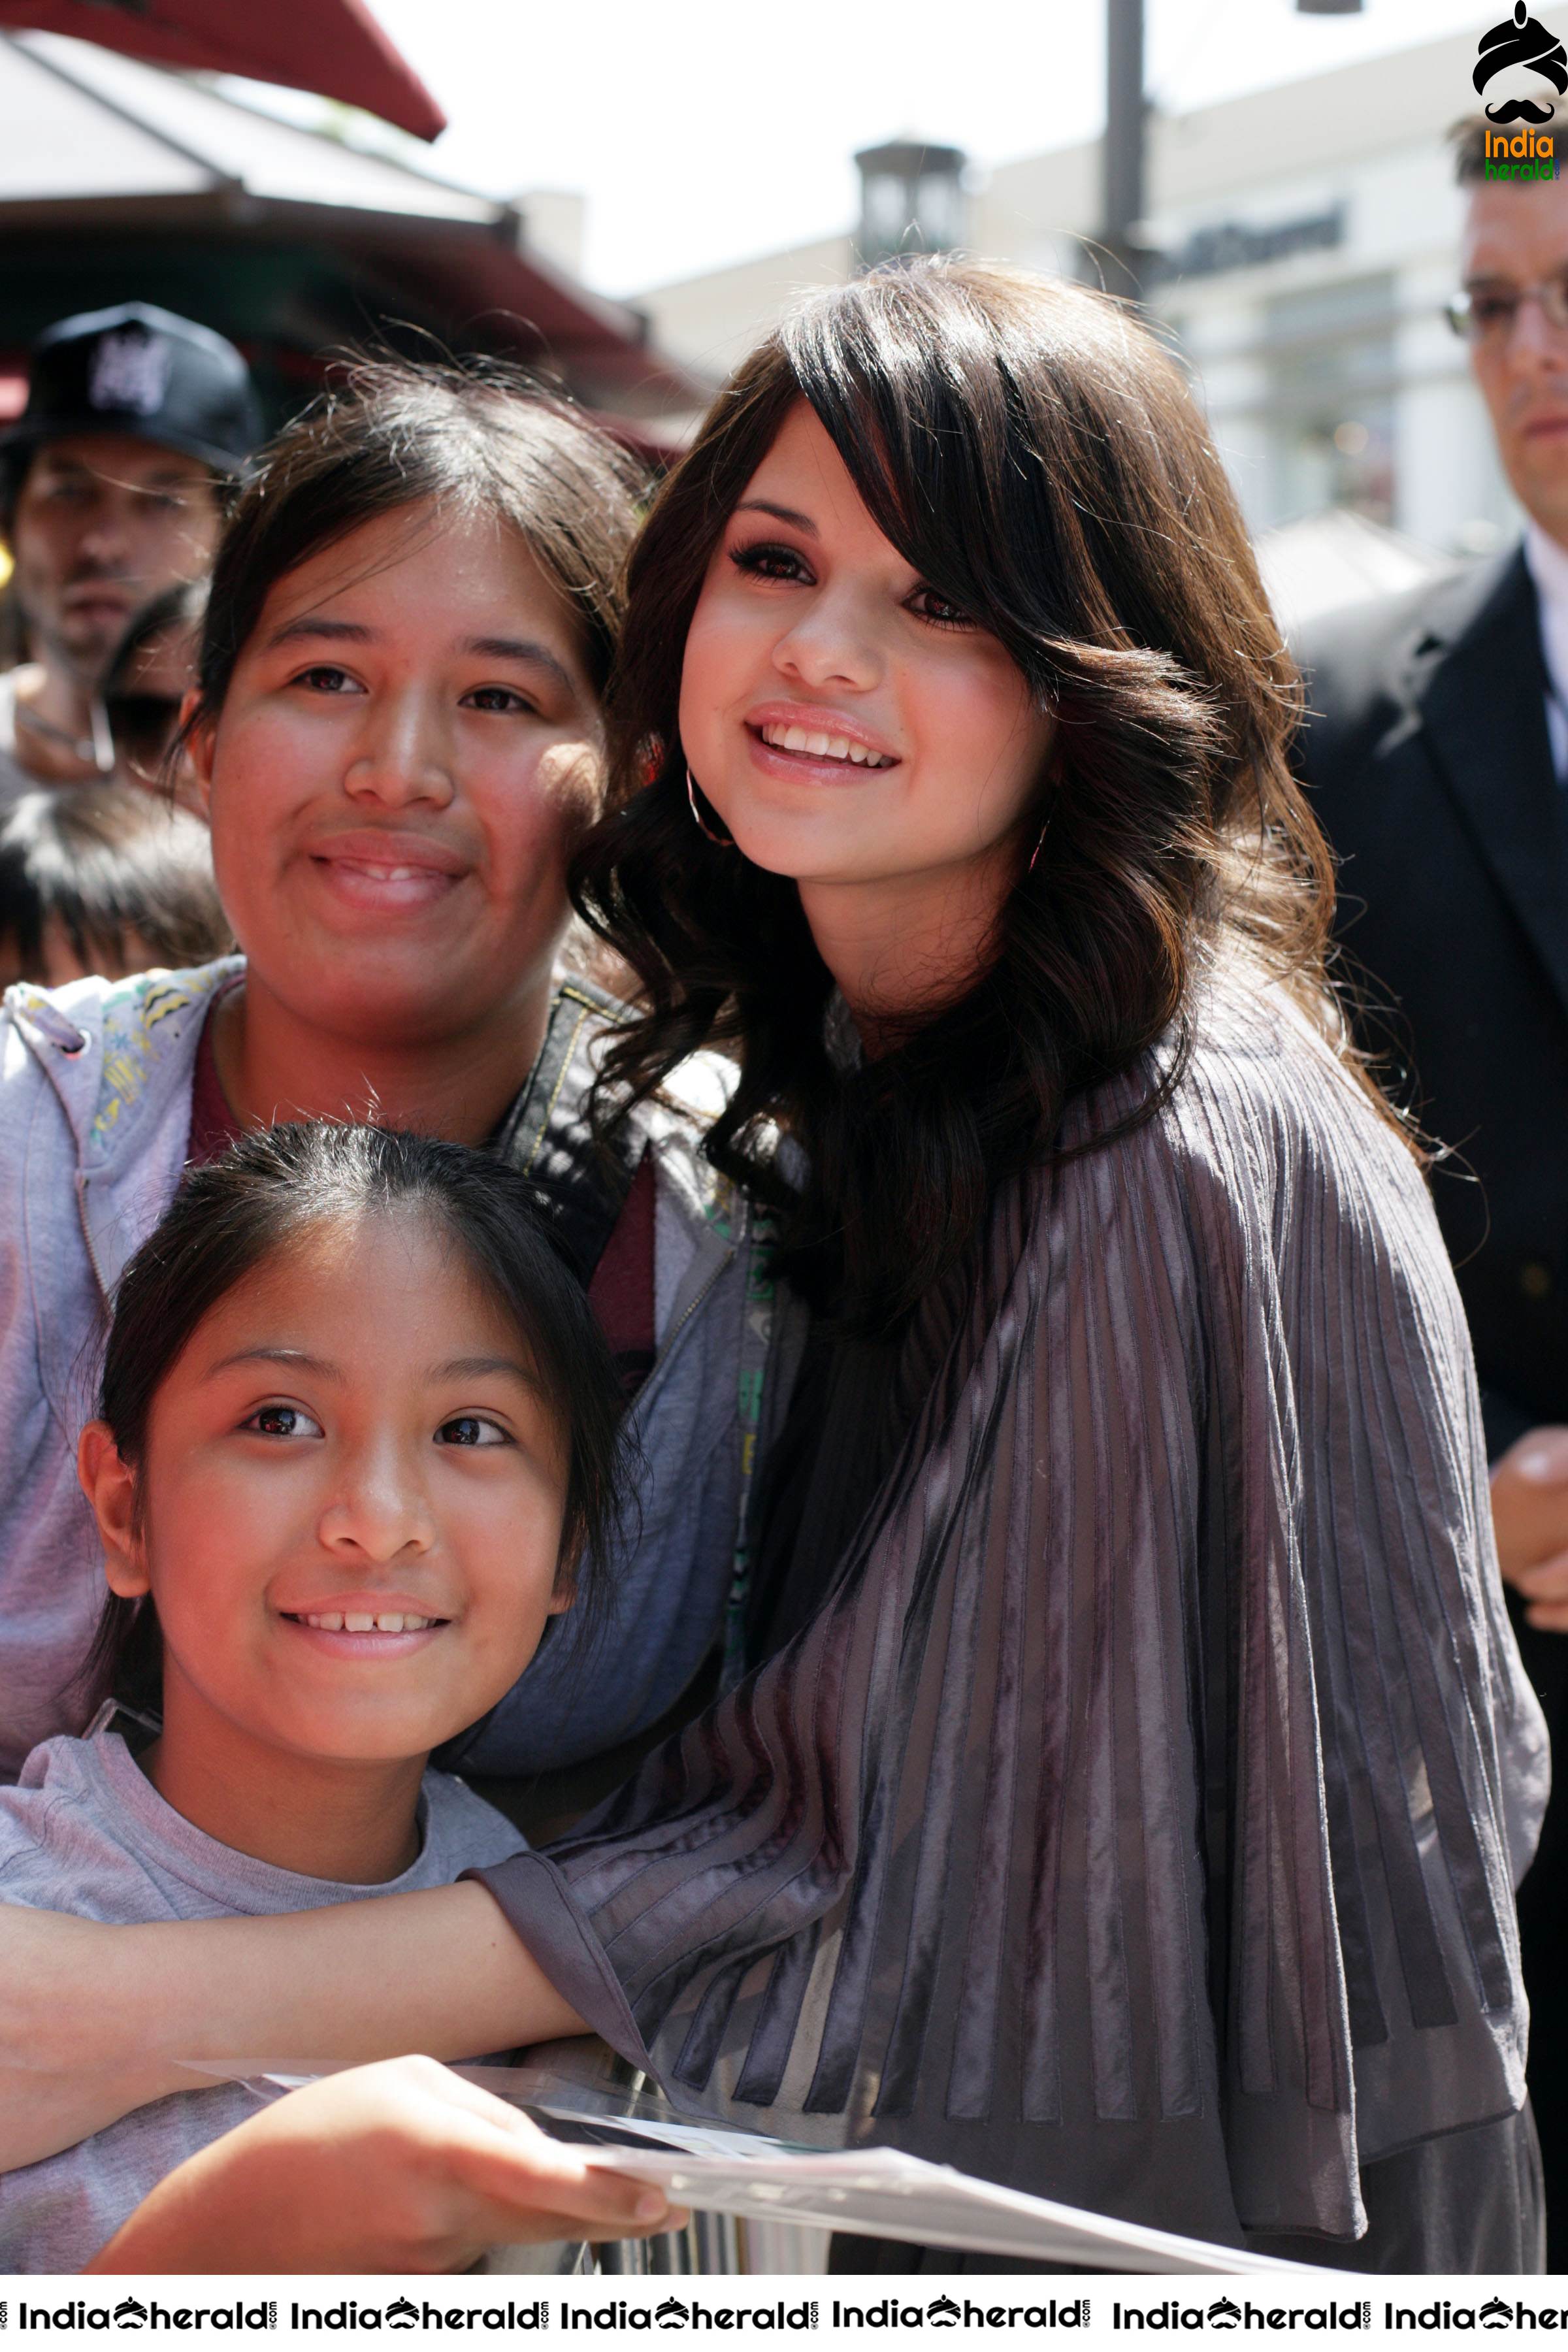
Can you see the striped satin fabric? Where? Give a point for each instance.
(1136, 1822)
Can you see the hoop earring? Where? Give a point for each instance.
(1034, 853)
(720, 840)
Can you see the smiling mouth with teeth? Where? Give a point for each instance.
(355, 1621)
(823, 747)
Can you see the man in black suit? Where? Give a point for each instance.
(1438, 753)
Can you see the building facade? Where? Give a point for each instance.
(1308, 237)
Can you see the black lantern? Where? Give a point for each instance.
(911, 200)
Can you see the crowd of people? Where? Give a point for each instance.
(734, 1316)
(111, 495)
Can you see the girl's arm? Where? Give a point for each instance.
(94, 2019)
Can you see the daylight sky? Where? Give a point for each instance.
(702, 131)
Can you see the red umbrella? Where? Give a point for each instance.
(335, 47)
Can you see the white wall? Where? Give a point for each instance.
(712, 321)
(1274, 156)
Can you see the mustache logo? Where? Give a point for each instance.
(1521, 40)
(1520, 110)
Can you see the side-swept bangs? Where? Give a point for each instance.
(1034, 453)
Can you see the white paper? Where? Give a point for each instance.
(882, 2193)
(877, 2191)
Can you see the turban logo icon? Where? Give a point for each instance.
(1521, 41)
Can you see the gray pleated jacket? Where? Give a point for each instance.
(1136, 1823)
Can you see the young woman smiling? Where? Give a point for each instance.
(1124, 1800)
(398, 736)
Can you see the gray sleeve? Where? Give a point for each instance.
(541, 1909)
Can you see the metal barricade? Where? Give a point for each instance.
(586, 2071)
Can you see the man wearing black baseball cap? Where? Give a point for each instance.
(110, 493)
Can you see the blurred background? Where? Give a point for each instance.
(626, 198)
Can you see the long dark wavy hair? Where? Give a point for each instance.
(1034, 455)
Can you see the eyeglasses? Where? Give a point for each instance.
(1488, 315)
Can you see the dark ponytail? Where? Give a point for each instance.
(480, 438)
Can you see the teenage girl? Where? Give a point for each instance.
(356, 1428)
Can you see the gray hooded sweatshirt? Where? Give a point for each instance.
(95, 1112)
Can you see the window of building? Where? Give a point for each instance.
(1330, 364)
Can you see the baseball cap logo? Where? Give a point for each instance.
(129, 372)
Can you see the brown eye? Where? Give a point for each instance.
(929, 606)
(282, 1421)
(770, 560)
(470, 1429)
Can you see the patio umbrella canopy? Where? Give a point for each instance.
(122, 181)
(335, 47)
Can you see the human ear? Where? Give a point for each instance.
(109, 1484)
(198, 746)
(564, 1591)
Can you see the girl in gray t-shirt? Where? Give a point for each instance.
(357, 1425)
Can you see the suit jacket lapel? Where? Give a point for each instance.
(1478, 685)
